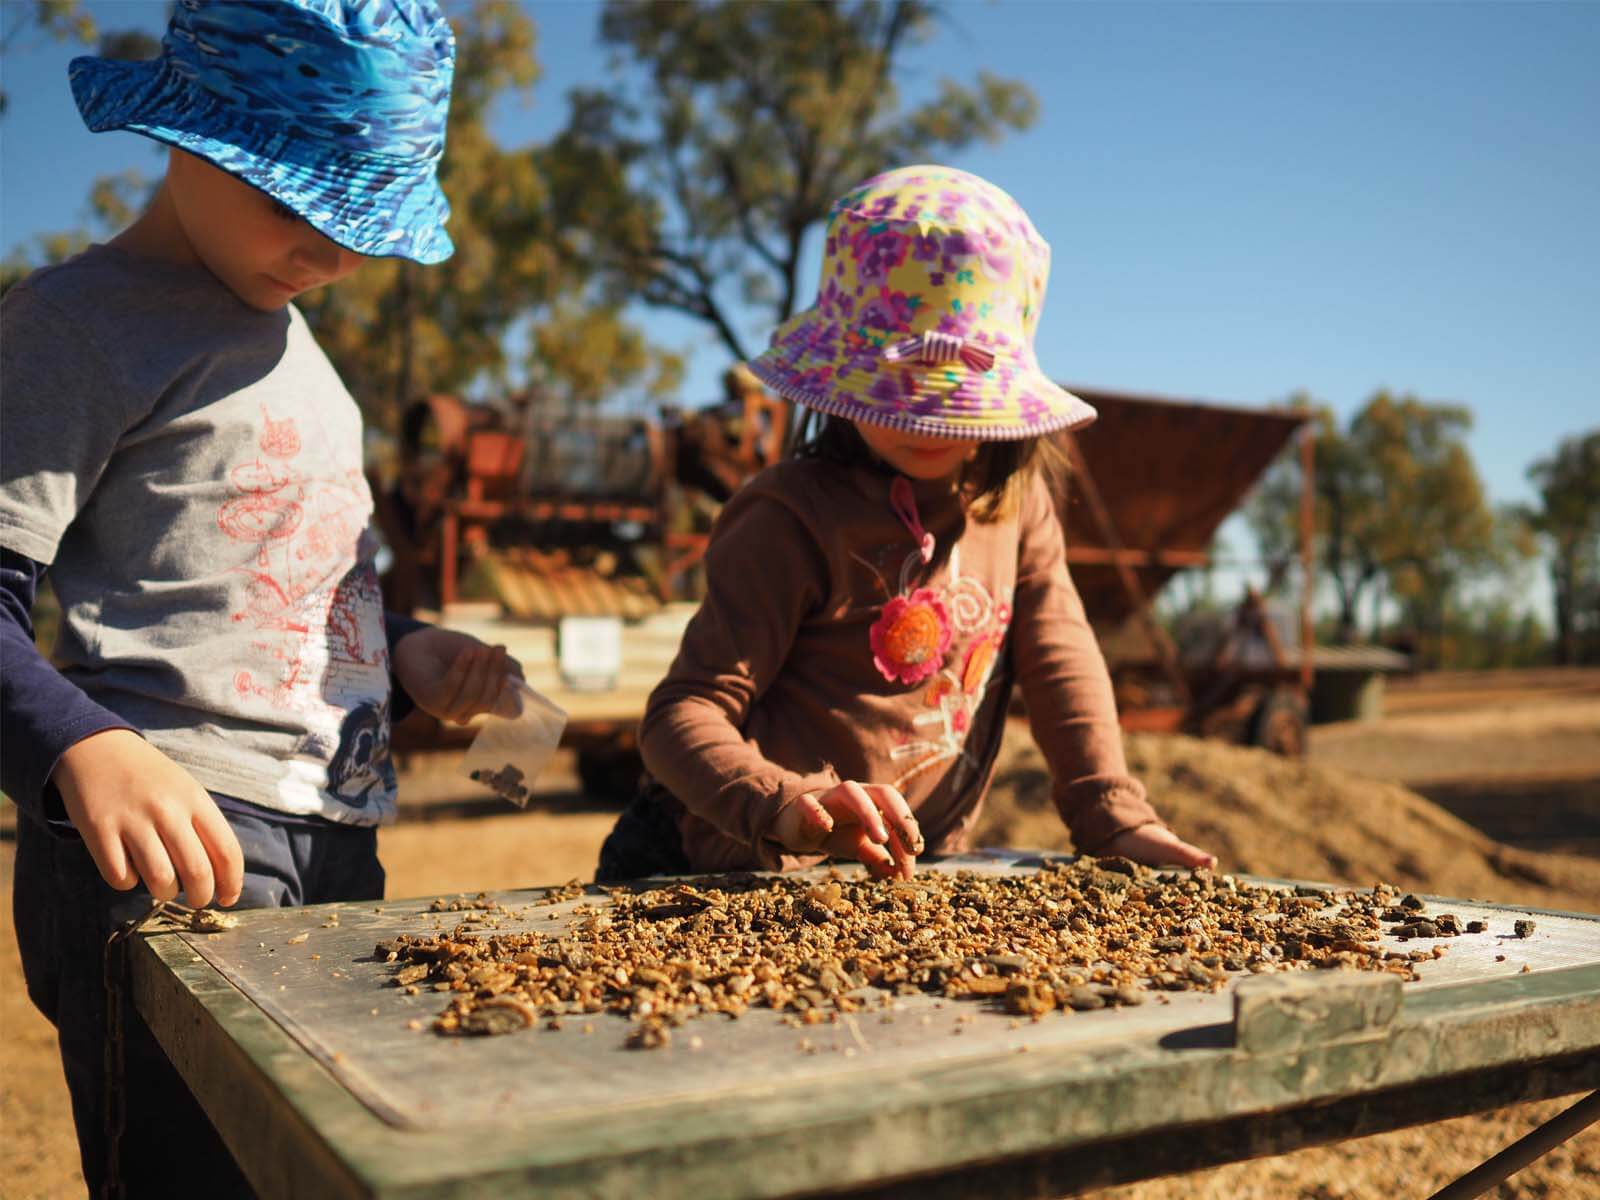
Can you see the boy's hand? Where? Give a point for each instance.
(143, 817)
(454, 676)
(866, 821)
(1156, 846)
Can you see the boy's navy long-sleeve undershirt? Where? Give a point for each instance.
(42, 713)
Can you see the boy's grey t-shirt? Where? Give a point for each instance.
(191, 470)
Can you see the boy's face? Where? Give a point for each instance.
(263, 252)
(917, 455)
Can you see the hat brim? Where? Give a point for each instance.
(379, 207)
(946, 401)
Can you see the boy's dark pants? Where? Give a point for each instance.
(64, 914)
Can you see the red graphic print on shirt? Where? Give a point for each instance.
(304, 592)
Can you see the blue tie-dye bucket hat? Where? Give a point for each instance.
(334, 108)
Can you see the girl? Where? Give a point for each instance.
(843, 689)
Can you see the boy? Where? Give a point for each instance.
(182, 458)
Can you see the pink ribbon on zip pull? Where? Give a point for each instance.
(933, 347)
(904, 502)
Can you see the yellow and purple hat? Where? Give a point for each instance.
(932, 281)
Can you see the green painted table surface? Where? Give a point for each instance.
(306, 1060)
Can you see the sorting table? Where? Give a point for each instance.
(313, 1070)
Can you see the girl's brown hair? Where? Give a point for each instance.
(993, 480)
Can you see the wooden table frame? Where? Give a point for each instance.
(1036, 1124)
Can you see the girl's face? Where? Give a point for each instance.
(263, 252)
(917, 455)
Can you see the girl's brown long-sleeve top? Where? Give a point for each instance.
(827, 649)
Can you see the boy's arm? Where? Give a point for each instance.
(396, 626)
(42, 713)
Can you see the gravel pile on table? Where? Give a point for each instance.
(1090, 934)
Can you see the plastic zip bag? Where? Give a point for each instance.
(509, 752)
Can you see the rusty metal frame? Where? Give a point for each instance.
(1121, 559)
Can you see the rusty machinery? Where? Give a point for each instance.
(1150, 483)
(615, 495)
(1148, 486)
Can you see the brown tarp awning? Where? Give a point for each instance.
(1170, 471)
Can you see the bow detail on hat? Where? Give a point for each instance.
(933, 347)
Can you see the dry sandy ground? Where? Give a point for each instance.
(1259, 813)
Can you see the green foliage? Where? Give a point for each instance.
(1492, 636)
(396, 330)
(114, 200)
(68, 20)
(1567, 522)
(1399, 504)
(698, 188)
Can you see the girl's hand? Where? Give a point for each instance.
(454, 676)
(870, 822)
(143, 817)
(1156, 846)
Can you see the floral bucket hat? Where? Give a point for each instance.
(932, 281)
(334, 108)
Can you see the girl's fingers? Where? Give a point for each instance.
(191, 863)
(905, 859)
(222, 848)
(879, 862)
(1193, 856)
(858, 806)
(149, 856)
(814, 824)
(893, 805)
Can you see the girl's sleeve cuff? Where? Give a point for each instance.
(1096, 810)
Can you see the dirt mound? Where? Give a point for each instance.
(1266, 815)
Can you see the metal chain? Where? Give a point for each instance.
(116, 1092)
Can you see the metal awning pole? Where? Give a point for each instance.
(1520, 1153)
(1308, 531)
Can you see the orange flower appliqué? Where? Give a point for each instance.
(911, 637)
(979, 658)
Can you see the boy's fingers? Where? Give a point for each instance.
(454, 681)
(859, 805)
(111, 858)
(508, 703)
(483, 682)
(191, 863)
(149, 855)
(222, 847)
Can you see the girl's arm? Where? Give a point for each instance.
(764, 574)
(1071, 708)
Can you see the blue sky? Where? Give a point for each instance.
(1243, 199)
